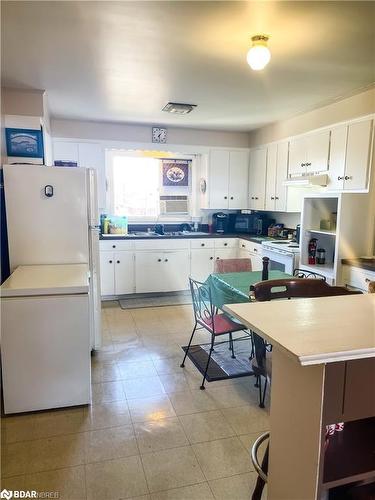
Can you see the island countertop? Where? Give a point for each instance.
(317, 330)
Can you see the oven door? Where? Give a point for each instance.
(280, 260)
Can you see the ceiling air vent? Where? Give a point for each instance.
(179, 108)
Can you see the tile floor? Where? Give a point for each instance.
(150, 433)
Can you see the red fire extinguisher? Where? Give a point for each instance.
(312, 250)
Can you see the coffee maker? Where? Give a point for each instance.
(220, 223)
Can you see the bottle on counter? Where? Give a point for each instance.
(321, 256)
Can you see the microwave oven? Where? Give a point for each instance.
(251, 223)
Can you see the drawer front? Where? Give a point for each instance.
(168, 244)
(358, 278)
(226, 242)
(202, 243)
(115, 245)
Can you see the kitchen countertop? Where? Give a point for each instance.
(47, 280)
(362, 262)
(192, 235)
(314, 331)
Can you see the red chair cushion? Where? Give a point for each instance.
(221, 324)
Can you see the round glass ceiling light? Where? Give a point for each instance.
(259, 54)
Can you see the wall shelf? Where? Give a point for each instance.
(322, 231)
(326, 269)
(350, 454)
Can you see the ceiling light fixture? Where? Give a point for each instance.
(259, 54)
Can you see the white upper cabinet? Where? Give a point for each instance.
(238, 179)
(309, 153)
(350, 156)
(228, 178)
(219, 178)
(318, 151)
(271, 177)
(297, 156)
(277, 170)
(358, 150)
(337, 158)
(257, 178)
(281, 175)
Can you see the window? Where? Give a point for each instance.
(136, 187)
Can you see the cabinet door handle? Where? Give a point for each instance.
(308, 164)
(231, 197)
(256, 198)
(252, 197)
(202, 244)
(118, 262)
(243, 246)
(225, 244)
(211, 258)
(339, 178)
(255, 249)
(159, 260)
(367, 280)
(113, 246)
(217, 258)
(166, 260)
(303, 164)
(272, 197)
(347, 177)
(276, 197)
(110, 261)
(225, 197)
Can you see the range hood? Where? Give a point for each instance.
(307, 180)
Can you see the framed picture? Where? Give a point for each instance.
(176, 172)
(26, 143)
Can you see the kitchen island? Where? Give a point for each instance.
(323, 372)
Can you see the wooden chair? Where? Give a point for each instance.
(262, 365)
(232, 265)
(207, 317)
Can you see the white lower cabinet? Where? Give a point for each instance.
(161, 271)
(226, 253)
(107, 273)
(117, 273)
(124, 273)
(202, 263)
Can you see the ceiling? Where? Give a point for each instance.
(123, 61)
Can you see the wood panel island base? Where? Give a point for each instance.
(323, 372)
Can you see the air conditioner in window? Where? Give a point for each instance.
(170, 205)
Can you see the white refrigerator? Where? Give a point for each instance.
(52, 218)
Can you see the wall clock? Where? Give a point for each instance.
(159, 134)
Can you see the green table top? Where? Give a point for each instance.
(232, 288)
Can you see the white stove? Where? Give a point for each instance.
(283, 255)
(282, 246)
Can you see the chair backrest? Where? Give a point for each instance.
(232, 265)
(203, 307)
(296, 288)
(302, 273)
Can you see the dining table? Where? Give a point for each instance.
(233, 288)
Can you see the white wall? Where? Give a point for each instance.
(127, 132)
(346, 109)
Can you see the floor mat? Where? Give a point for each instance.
(222, 365)
(175, 299)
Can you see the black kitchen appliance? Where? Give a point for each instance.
(220, 223)
(255, 223)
